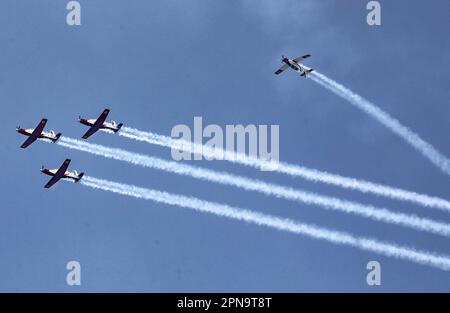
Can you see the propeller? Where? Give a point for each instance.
(18, 127)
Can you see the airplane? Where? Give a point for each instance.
(61, 172)
(36, 133)
(99, 123)
(295, 65)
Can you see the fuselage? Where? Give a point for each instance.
(71, 175)
(27, 132)
(89, 122)
(293, 65)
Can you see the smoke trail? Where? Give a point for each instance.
(283, 224)
(378, 214)
(437, 158)
(289, 169)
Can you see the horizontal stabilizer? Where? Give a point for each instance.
(306, 72)
(57, 137)
(118, 127)
(80, 176)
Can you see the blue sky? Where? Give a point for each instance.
(157, 64)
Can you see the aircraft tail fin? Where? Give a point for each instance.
(305, 73)
(118, 127)
(80, 176)
(57, 137)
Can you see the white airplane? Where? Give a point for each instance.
(99, 123)
(61, 172)
(36, 133)
(295, 65)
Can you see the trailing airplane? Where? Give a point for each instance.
(61, 173)
(99, 123)
(36, 133)
(295, 65)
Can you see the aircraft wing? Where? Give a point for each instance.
(98, 123)
(298, 59)
(59, 174)
(28, 142)
(281, 69)
(91, 131)
(35, 134)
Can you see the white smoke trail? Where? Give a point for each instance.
(437, 158)
(378, 214)
(283, 224)
(289, 169)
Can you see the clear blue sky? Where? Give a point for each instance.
(156, 64)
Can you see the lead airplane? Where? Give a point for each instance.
(36, 133)
(61, 172)
(99, 123)
(295, 65)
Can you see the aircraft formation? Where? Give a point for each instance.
(100, 123)
(39, 133)
(378, 214)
